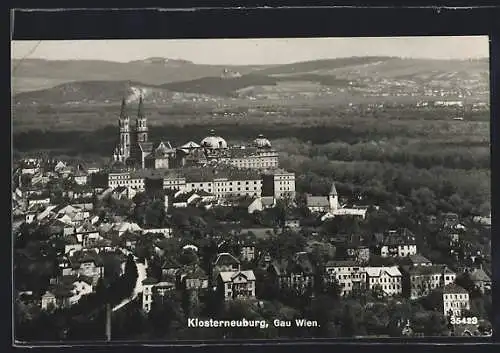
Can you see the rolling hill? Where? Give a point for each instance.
(30, 74)
(159, 79)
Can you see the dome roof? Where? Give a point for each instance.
(213, 141)
(261, 141)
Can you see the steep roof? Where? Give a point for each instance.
(317, 201)
(149, 280)
(479, 275)
(333, 190)
(392, 271)
(193, 272)
(454, 289)
(226, 259)
(229, 276)
(417, 258)
(190, 145)
(428, 270)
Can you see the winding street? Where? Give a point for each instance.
(141, 276)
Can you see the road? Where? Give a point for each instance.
(141, 272)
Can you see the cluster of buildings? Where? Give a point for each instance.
(136, 150)
(60, 196)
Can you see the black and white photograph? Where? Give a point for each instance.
(208, 189)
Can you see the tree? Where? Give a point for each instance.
(130, 274)
(188, 257)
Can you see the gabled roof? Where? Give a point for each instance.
(454, 289)
(229, 276)
(392, 271)
(417, 258)
(317, 201)
(479, 275)
(298, 264)
(149, 281)
(428, 270)
(226, 259)
(190, 145)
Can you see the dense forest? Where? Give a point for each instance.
(391, 155)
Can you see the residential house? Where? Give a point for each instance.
(455, 300)
(78, 285)
(170, 268)
(122, 227)
(418, 260)
(420, 281)
(193, 278)
(87, 264)
(38, 200)
(347, 274)
(80, 178)
(351, 247)
(182, 199)
(66, 291)
(79, 192)
(263, 260)
(123, 193)
(399, 243)
(56, 298)
(388, 279)
(247, 252)
(60, 227)
(72, 245)
(449, 219)
(129, 240)
(225, 262)
(236, 284)
(154, 289)
(296, 273)
(484, 221)
(481, 280)
(166, 232)
(87, 234)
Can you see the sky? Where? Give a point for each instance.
(254, 51)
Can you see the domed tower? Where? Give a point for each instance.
(213, 141)
(141, 124)
(261, 142)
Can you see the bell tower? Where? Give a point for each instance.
(333, 198)
(124, 124)
(141, 124)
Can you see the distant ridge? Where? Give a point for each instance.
(163, 78)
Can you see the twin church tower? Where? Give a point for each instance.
(134, 145)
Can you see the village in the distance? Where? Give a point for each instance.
(162, 234)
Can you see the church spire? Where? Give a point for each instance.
(333, 190)
(140, 112)
(123, 110)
